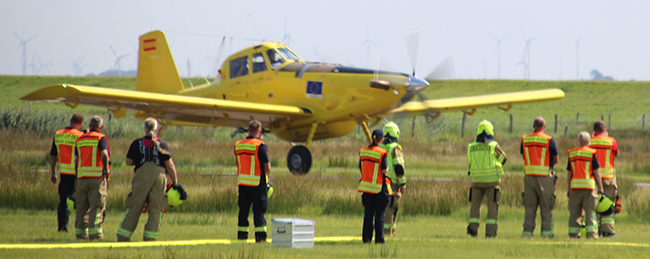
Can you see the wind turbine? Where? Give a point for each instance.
(286, 38)
(498, 53)
(525, 60)
(78, 65)
(578, 56)
(23, 44)
(118, 63)
(367, 42)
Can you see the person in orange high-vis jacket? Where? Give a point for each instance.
(375, 186)
(582, 178)
(91, 187)
(253, 170)
(606, 150)
(62, 152)
(539, 152)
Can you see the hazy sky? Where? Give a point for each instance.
(614, 34)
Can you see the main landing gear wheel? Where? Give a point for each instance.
(299, 160)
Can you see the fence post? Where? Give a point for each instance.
(413, 127)
(609, 121)
(511, 123)
(462, 127)
(555, 124)
(578, 118)
(643, 123)
(565, 130)
(602, 118)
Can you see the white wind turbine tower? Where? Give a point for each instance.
(367, 42)
(525, 60)
(23, 44)
(286, 38)
(78, 66)
(118, 61)
(578, 56)
(499, 53)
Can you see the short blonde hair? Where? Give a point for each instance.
(584, 138)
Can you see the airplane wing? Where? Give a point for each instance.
(170, 109)
(469, 104)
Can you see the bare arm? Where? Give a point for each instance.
(599, 181)
(267, 168)
(105, 161)
(53, 160)
(171, 171)
(554, 160)
(129, 161)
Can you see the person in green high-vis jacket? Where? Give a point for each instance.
(396, 174)
(486, 160)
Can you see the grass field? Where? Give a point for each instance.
(434, 214)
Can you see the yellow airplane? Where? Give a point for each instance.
(297, 101)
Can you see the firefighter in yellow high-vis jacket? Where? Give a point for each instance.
(395, 173)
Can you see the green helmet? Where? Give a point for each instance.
(605, 205)
(69, 202)
(391, 129)
(485, 126)
(174, 197)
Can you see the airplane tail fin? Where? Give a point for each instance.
(156, 69)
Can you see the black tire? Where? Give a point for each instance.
(299, 160)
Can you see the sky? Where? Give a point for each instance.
(613, 35)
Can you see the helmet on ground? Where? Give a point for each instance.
(174, 197)
(69, 202)
(485, 126)
(605, 205)
(391, 129)
(269, 190)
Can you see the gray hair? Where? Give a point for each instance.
(584, 138)
(96, 122)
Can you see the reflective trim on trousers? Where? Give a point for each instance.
(242, 229)
(526, 234)
(95, 231)
(260, 229)
(151, 234)
(124, 232)
(607, 221)
(591, 229)
(574, 230)
(474, 220)
(491, 221)
(80, 231)
(547, 233)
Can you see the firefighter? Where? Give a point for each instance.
(486, 159)
(606, 150)
(153, 164)
(93, 170)
(62, 152)
(395, 161)
(583, 176)
(253, 170)
(540, 155)
(375, 186)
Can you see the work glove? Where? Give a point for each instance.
(180, 189)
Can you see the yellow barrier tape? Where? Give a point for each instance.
(229, 242)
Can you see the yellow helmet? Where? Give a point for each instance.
(605, 205)
(485, 126)
(174, 197)
(391, 129)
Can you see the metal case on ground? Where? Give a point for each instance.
(292, 232)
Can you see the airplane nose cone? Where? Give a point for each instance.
(417, 81)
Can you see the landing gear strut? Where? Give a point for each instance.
(299, 160)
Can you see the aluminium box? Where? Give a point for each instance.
(292, 232)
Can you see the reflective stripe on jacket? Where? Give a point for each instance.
(390, 147)
(485, 166)
(90, 157)
(65, 141)
(581, 160)
(536, 153)
(372, 179)
(248, 163)
(603, 146)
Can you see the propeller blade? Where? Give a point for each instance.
(445, 70)
(412, 42)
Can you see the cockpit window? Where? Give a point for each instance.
(288, 54)
(239, 67)
(275, 59)
(258, 63)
